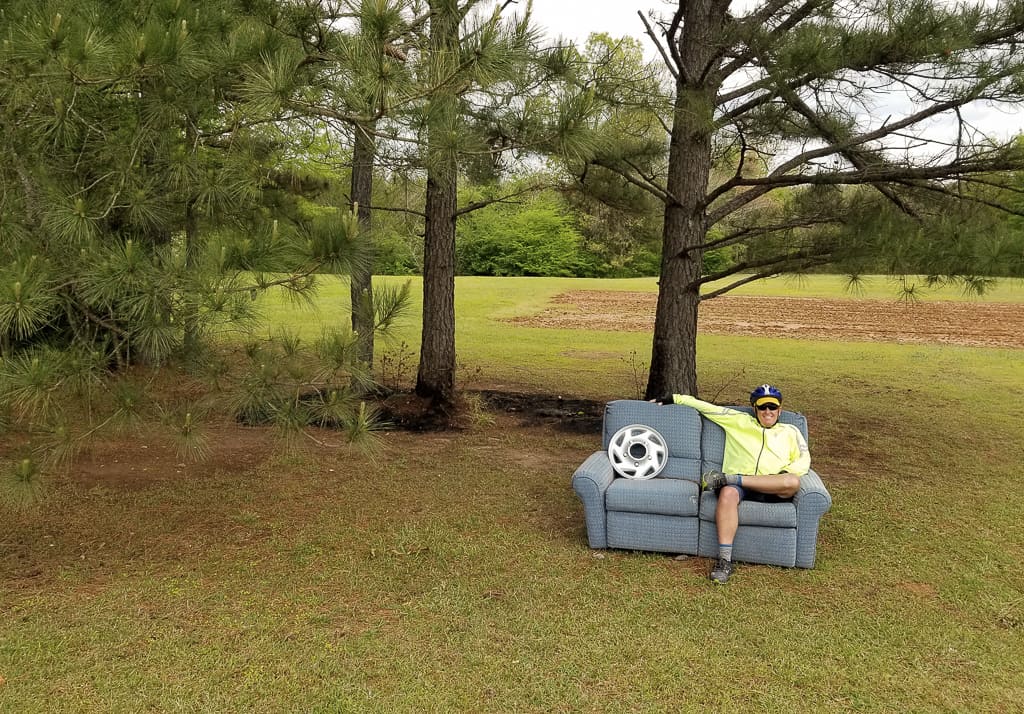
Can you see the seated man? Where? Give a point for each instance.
(763, 461)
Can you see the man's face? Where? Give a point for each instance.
(767, 414)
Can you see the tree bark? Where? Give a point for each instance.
(361, 280)
(435, 379)
(674, 349)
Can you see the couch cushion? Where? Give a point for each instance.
(677, 467)
(679, 426)
(753, 513)
(665, 496)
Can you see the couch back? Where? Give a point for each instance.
(694, 444)
(679, 426)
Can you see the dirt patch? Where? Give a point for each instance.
(150, 458)
(974, 324)
(406, 412)
(581, 416)
(142, 461)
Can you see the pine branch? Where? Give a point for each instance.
(992, 38)
(657, 43)
(760, 19)
(780, 177)
(970, 198)
(395, 209)
(477, 205)
(96, 319)
(861, 159)
(776, 265)
(651, 188)
(756, 231)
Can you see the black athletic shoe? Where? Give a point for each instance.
(721, 572)
(712, 480)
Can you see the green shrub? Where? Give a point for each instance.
(716, 260)
(395, 255)
(537, 239)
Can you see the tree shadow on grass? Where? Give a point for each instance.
(406, 412)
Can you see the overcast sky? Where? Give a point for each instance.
(576, 19)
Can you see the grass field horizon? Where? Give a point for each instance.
(450, 572)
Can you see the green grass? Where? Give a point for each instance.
(452, 573)
(494, 351)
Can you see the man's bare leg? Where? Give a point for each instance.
(727, 513)
(781, 485)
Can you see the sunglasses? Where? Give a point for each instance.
(762, 407)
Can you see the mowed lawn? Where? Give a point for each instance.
(450, 572)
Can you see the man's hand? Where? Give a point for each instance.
(665, 399)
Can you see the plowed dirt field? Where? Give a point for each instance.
(978, 324)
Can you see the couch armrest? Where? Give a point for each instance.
(812, 497)
(590, 482)
(811, 501)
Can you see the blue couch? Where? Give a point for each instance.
(670, 514)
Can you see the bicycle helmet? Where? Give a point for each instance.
(765, 394)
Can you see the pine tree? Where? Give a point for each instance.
(791, 95)
(477, 70)
(144, 206)
(441, 92)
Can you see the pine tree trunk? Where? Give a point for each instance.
(361, 281)
(191, 323)
(435, 379)
(674, 350)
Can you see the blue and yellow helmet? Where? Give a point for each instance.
(765, 394)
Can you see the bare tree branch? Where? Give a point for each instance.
(657, 43)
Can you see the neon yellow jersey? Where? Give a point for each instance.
(751, 449)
